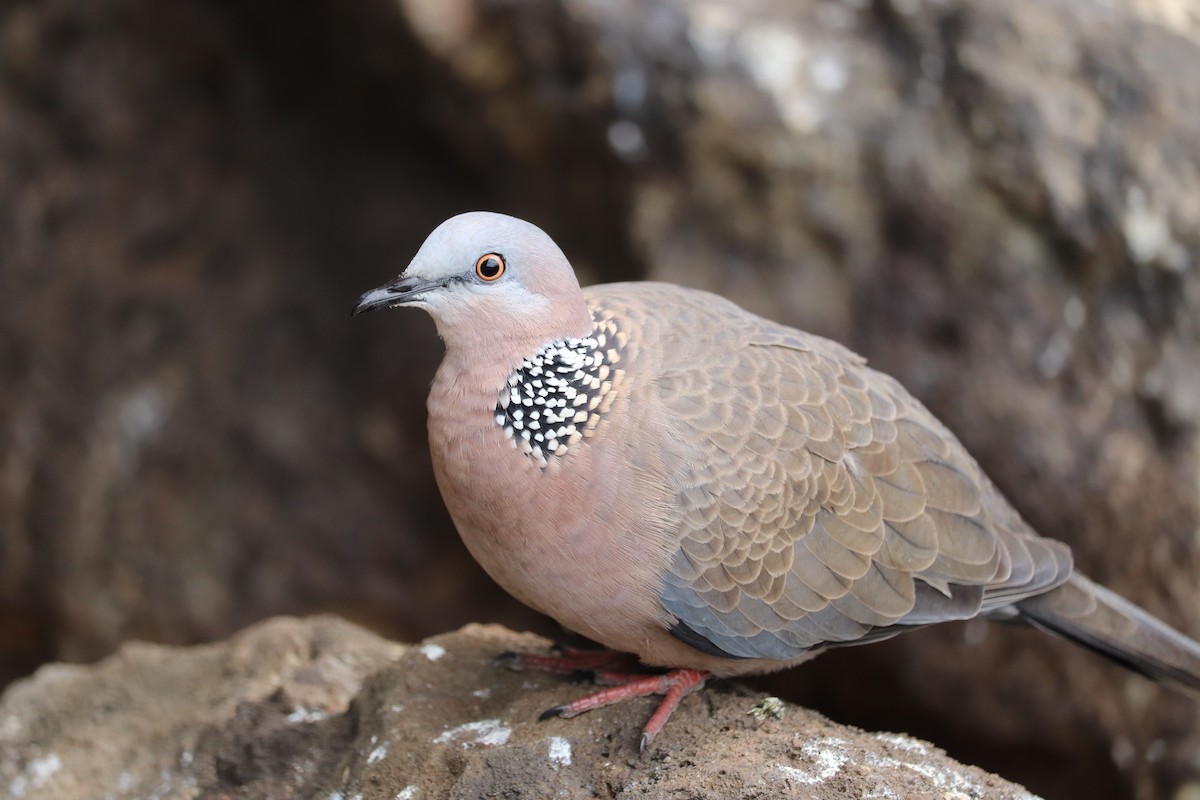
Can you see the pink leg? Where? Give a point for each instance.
(673, 685)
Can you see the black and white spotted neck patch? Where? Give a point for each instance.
(558, 395)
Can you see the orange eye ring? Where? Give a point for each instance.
(490, 266)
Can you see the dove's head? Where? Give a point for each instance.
(487, 277)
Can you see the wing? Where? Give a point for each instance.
(821, 504)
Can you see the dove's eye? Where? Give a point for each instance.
(489, 267)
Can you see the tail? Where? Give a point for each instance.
(1090, 615)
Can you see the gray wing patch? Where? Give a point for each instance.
(752, 629)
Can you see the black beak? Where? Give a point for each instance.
(397, 293)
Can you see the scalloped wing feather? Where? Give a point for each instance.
(819, 503)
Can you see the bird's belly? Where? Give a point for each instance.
(559, 560)
(556, 540)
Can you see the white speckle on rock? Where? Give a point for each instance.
(829, 74)
(377, 755)
(881, 793)
(306, 715)
(35, 775)
(828, 756)
(559, 752)
(433, 651)
(1148, 234)
(948, 779)
(798, 775)
(41, 770)
(485, 692)
(899, 740)
(774, 57)
(407, 793)
(484, 733)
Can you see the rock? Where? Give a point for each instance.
(320, 708)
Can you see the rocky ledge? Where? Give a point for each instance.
(321, 708)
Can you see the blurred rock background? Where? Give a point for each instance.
(999, 204)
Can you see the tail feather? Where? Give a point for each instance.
(1090, 615)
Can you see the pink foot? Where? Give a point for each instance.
(673, 685)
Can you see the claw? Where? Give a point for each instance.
(550, 713)
(510, 659)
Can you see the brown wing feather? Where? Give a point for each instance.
(820, 503)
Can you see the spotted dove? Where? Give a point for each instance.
(715, 493)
